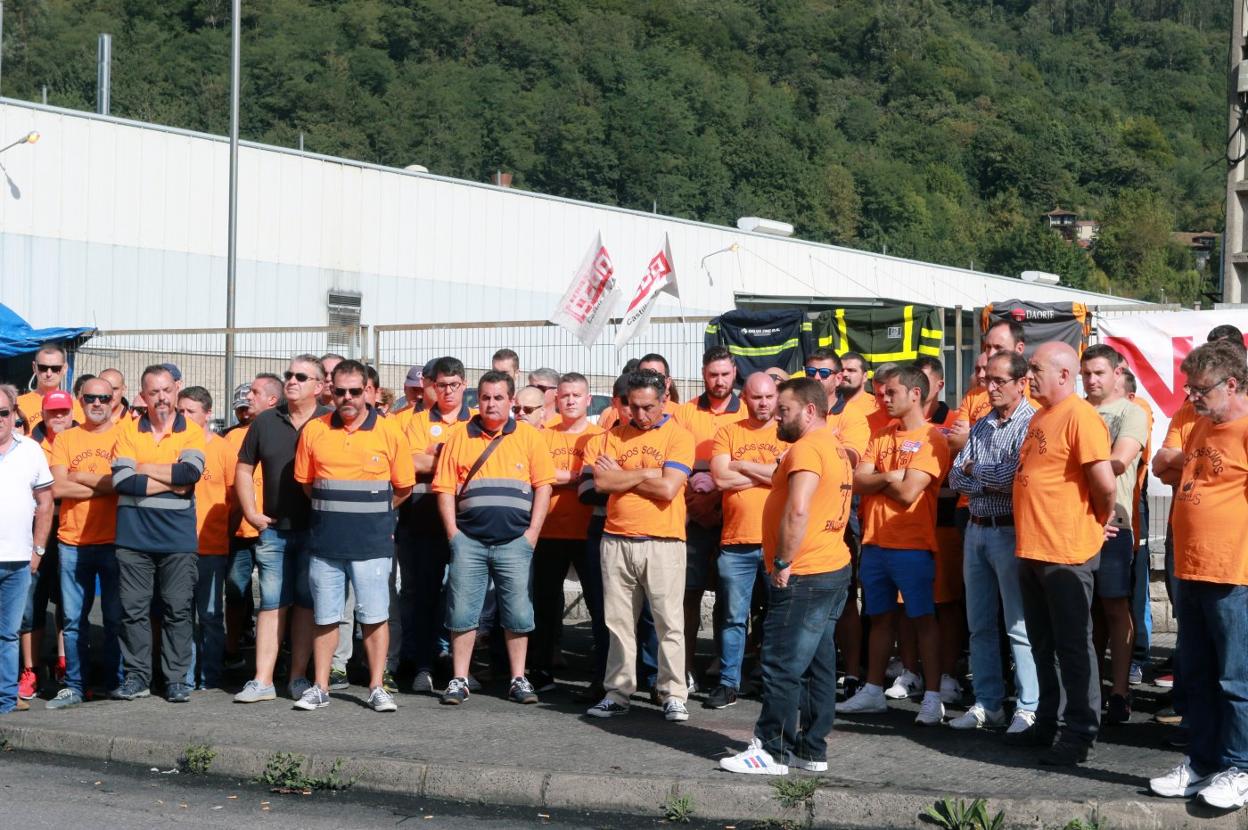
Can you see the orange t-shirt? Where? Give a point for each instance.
(886, 522)
(568, 518)
(666, 445)
(245, 529)
(610, 417)
(743, 509)
(212, 503)
(975, 405)
(878, 419)
(30, 405)
(851, 428)
(702, 423)
(1180, 426)
(1052, 504)
(1209, 521)
(823, 547)
(86, 521)
(863, 403)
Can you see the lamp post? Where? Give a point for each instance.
(231, 254)
(30, 138)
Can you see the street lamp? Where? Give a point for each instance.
(30, 138)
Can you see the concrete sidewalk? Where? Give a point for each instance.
(883, 770)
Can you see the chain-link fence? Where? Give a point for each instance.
(541, 345)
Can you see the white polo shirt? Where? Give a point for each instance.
(23, 470)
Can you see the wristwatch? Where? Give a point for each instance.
(39, 551)
(780, 564)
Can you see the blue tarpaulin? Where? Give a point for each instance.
(18, 338)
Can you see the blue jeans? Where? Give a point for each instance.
(990, 570)
(14, 583)
(1213, 637)
(208, 647)
(281, 557)
(473, 563)
(799, 664)
(80, 566)
(739, 567)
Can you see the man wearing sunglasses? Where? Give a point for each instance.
(530, 407)
(83, 481)
(280, 554)
(546, 381)
(25, 523)
(49, 367)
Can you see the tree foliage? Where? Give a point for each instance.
(941, 129)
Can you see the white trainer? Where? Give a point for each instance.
(977, 717)
(907, 684)
(1180, 782)
(804, 764)
(1227, 790)
(1023, 720)
(931, 712)
(864, 702)
(950, 690)
(754, 760)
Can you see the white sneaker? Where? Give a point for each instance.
(977, 717)
(865, 701)
(754, 760)
(1023, 720)
(950, 690)
(674, 710)
(802, 763)
(931, 712)
(1180, 782)
(381, 701)
(895, 669)
(907, 684)
(297, 687)
(1228, 790)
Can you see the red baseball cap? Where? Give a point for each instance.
(57, 400)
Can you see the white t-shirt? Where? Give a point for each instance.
(23, 470)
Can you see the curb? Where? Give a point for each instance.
(728, 801)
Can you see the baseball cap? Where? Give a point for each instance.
(240, 396)
(173, 369)
(414, 376)
(57, 400)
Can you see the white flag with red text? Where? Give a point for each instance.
(587, 304)
(659, 278)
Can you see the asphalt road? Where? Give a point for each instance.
(40, 791)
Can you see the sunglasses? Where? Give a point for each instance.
(340, 392)
(96, 398)
(543, 388)
(823, 372)
(299, 376)
(4, 413)
(526, 410)
(47, 367)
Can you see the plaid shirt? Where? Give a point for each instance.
(992, 448)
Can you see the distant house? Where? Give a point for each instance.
(1062, 221)
(1201, 244)
(1086, 231)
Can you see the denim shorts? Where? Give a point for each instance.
(1114, 577)
(369, 577)
(472, 565)
(885, 571)
(281, 561)
(701, 545)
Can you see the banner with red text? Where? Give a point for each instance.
(659, 278)
(1155, 345)
(587, 304)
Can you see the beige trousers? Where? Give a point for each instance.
(634, 570)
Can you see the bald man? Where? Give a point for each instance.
(530, 407)
(743, 458)
(1063, 510)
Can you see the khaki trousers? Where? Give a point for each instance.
(634, 570)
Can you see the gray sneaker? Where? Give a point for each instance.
(338, 680)
(381, 700)
(253, 692)
(423, 683)
(297, 687)
(674, 710)
(64, 699)
(314, 698)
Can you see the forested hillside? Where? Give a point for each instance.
(941, 129)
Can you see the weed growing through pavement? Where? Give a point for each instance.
(284, 772)
(678, 809)
(958, 815)
(794, 792)
(197, 759)
(1093, 823)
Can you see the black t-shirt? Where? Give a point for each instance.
(271, 443)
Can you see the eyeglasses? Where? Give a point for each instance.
(525, 410)
(299, 376)
(823, 372)
(1201, 391)
(96, 398)
(340, 392)
(544, 388)
(453, 386)
(47, 367)
(999, 382)
(4, 413)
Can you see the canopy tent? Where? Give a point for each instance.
(19, 342)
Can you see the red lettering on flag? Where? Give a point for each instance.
(658, 270)
(1167, 396)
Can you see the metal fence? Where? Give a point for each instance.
(200, 353)
(541, 344)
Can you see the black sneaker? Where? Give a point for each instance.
(522, 691)
(1037, 734)
(456, 691)
(851, 686)
(543, 681)
(1119, 710)
(178, 693)
(130, 689)
(721, 697)
(1068, 753)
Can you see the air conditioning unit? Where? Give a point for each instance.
(343, 307)
(757, 224)
(1041, 277)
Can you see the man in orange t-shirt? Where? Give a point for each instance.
(1064, 495)
(899, 479)
(804, 521)
(743, 459)
(853, 385)
(212, 514)
(1211, 568)
(81, 465)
